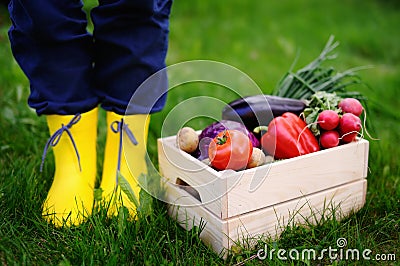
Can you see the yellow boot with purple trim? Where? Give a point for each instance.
(73, 140)
(124, 161)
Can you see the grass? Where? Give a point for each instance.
(260, 38)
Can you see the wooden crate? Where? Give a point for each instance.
(223, 234)
(263, 199)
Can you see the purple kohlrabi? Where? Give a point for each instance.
(212, 130)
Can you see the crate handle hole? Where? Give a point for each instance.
(188, 188)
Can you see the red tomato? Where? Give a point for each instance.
(230, 149)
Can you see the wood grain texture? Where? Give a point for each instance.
(222, 234)
(229, 193)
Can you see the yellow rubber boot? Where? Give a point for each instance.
(132, 161)
(73, 139)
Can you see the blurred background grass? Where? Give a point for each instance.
(260, 38)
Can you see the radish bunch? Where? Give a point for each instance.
(342, 125)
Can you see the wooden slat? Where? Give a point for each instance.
(293, 178)
(229, 193)
(221, 234)
(340, 200)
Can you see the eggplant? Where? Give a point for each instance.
(259, 110)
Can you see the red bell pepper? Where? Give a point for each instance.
(288, 136)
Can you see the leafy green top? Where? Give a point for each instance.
(315, 77)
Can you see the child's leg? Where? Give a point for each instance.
(131, 41)
(50, 42)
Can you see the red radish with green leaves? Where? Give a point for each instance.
(328, 119)
(349, 127)
(351, 105)
(329, 139)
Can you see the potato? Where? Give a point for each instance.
(269, 159)
(257, 158)
(187, 139)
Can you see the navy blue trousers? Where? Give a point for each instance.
(71, 70)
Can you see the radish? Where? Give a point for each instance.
(329, 139)
(328, 119)
(351, 105)
(349, 126)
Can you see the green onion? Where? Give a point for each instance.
(314, 77)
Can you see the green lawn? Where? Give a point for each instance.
(261, 39)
